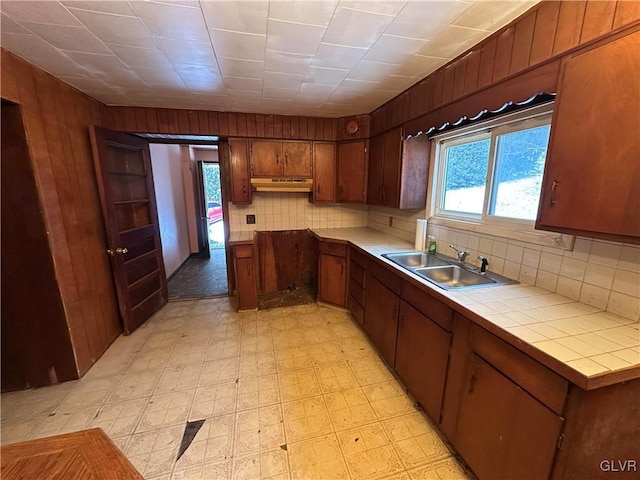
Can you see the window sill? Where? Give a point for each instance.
(537, 237)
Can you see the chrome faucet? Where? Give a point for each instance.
(461, 254)
(485, 262)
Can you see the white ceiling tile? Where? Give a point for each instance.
(452, 41)
(244, 16)
(195, 53)
(384, 8)
(294, 37)
(338, 56)
(242, 83)
(238, 45)
(171, 21)
(351, 56)
(38, 12)
(315, 90)
(115, 28)
(8, 25)
(64, 37)
(392, 49)
(287, 62)
(279, 93)
(282, 80)
(397, 83)
(155, 77)
(419, 65)
(140, 57)
(356, 28)
(373, 71)
(115, 7)
(490, 15)
(98, 65)
(424, 19)
(309, 12)
(325, 76)
(241, 68)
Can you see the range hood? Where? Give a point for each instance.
(281, 184)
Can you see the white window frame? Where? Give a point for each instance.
(484, 223)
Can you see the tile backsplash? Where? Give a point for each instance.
(602, 274)
(294, 211)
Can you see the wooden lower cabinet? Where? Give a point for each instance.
(381, 308)
(244, 262)
(332, 273)
(422, 356)
(502, 431)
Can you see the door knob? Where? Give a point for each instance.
(117, 251)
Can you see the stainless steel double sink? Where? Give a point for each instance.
(446, 272)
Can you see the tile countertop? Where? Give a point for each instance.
(241, 238)
(598, 347)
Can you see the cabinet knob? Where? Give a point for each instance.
(552, 197)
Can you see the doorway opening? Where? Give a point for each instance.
(189, 189)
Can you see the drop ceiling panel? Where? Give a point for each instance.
(325, 58)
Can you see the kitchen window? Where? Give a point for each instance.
(492, 174)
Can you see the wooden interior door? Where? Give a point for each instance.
(125, 182)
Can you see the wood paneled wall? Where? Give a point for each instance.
(57, 119)
(36, 347)
(518, 53)
(224, 124)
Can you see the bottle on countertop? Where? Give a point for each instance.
(432, 245)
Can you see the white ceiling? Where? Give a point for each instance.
(319, 58)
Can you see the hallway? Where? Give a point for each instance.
(200, 277)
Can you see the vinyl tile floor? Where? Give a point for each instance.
(288, 393)
(200, 277)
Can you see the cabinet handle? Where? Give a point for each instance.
(244, 189)
(552, 197)
(472, 382)
(286, 159)
(277, 159)
(401, 320)
(318, 189)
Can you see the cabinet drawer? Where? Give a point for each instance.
(427, 305)
(356, 272)
(356, 291)
(356, 309)
(243, 251)
(540, 382)
(386, 276)
(356, 257)
(330, 248)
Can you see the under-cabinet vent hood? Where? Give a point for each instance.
(282, 184)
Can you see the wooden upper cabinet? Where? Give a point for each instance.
(297, 159)
(376, 160)
(592, 172)
(352, 168)
(270, 158)
(324, 172)
(239, 159)
(266, 158)
(398, 170)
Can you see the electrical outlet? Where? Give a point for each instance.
(391, 221)
(251, 219)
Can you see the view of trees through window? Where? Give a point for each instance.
(515, 181)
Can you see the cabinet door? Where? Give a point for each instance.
(332, 279)
(266, 158)
(352, 168)
(414, 172)
(391, 167)
(381, 307)
(376, 160)
(239, 159)
(297, 159)
(502, 431)
(324, 172)
(246, 283)
(421, 358)
(592, 171)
